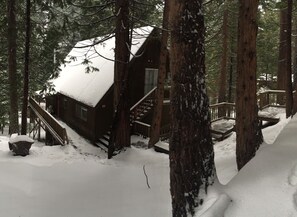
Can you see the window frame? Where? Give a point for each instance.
(81, 112)
(150, 79)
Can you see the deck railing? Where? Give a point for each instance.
(54, 127)
(222, 110)
(274, 98)
(142, 128)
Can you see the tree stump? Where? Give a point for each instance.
(20, 144)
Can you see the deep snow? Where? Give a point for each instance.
(77, 180)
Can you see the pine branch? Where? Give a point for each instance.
(94, 23)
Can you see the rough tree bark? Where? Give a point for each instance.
(248, 131)
(281, 69)
(223, 68)
(121, 124)
(289, 89)
(295, 66)
(12, 73)
(26, 69)
(231, 70)
(157, 115)
(191, 151)
(295, 50)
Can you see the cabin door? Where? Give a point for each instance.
(151, 79)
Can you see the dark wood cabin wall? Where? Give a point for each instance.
(67, 114)
(165, 116)
(149, 59)
(104, 114)
(100, 117)
(51, 101)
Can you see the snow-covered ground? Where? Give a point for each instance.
(78, 181)
(266, 186)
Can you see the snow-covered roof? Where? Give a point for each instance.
(89, 88)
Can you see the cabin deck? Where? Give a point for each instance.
(221, 128)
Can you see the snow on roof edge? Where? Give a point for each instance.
(89, 88)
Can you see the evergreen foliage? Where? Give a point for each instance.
(56, 27)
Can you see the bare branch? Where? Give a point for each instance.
(97, 42)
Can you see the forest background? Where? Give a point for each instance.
(58, 25)
(51, 28)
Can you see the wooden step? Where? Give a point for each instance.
(161, 148)
(102, 145)
(103, 142)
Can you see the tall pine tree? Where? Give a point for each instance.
(191, 151)
(248, 131)
(12, 67)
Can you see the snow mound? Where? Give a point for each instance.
(219, 206)
(18, 138)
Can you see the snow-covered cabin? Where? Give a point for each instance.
(85, 100)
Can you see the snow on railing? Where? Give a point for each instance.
(54, 127)
(275, 98)
(222, 110)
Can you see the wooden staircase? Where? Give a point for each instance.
(143, 107)
(137, 112)
(45, 120)
(103, 142)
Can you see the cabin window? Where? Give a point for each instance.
(151, 79)
(81, 112)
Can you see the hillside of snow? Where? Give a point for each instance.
(78, 180)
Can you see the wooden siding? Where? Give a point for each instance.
(100, 118)
(66, 112)
(149, 58)
(165, 116)
(104, 114)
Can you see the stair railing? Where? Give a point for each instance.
(140, 106)
(54, 127)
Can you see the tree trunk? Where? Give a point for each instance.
(231, 71)
(26, 70)
(248, 131)
(12, 73)
(281, 69)
(191, 151)
(295, 49)
(157, 116)
(223, 68)
(289, 89)
(295, 66)
(121, 123)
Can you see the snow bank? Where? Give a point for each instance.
(77, 180)
(218, 207)
(264, 186)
